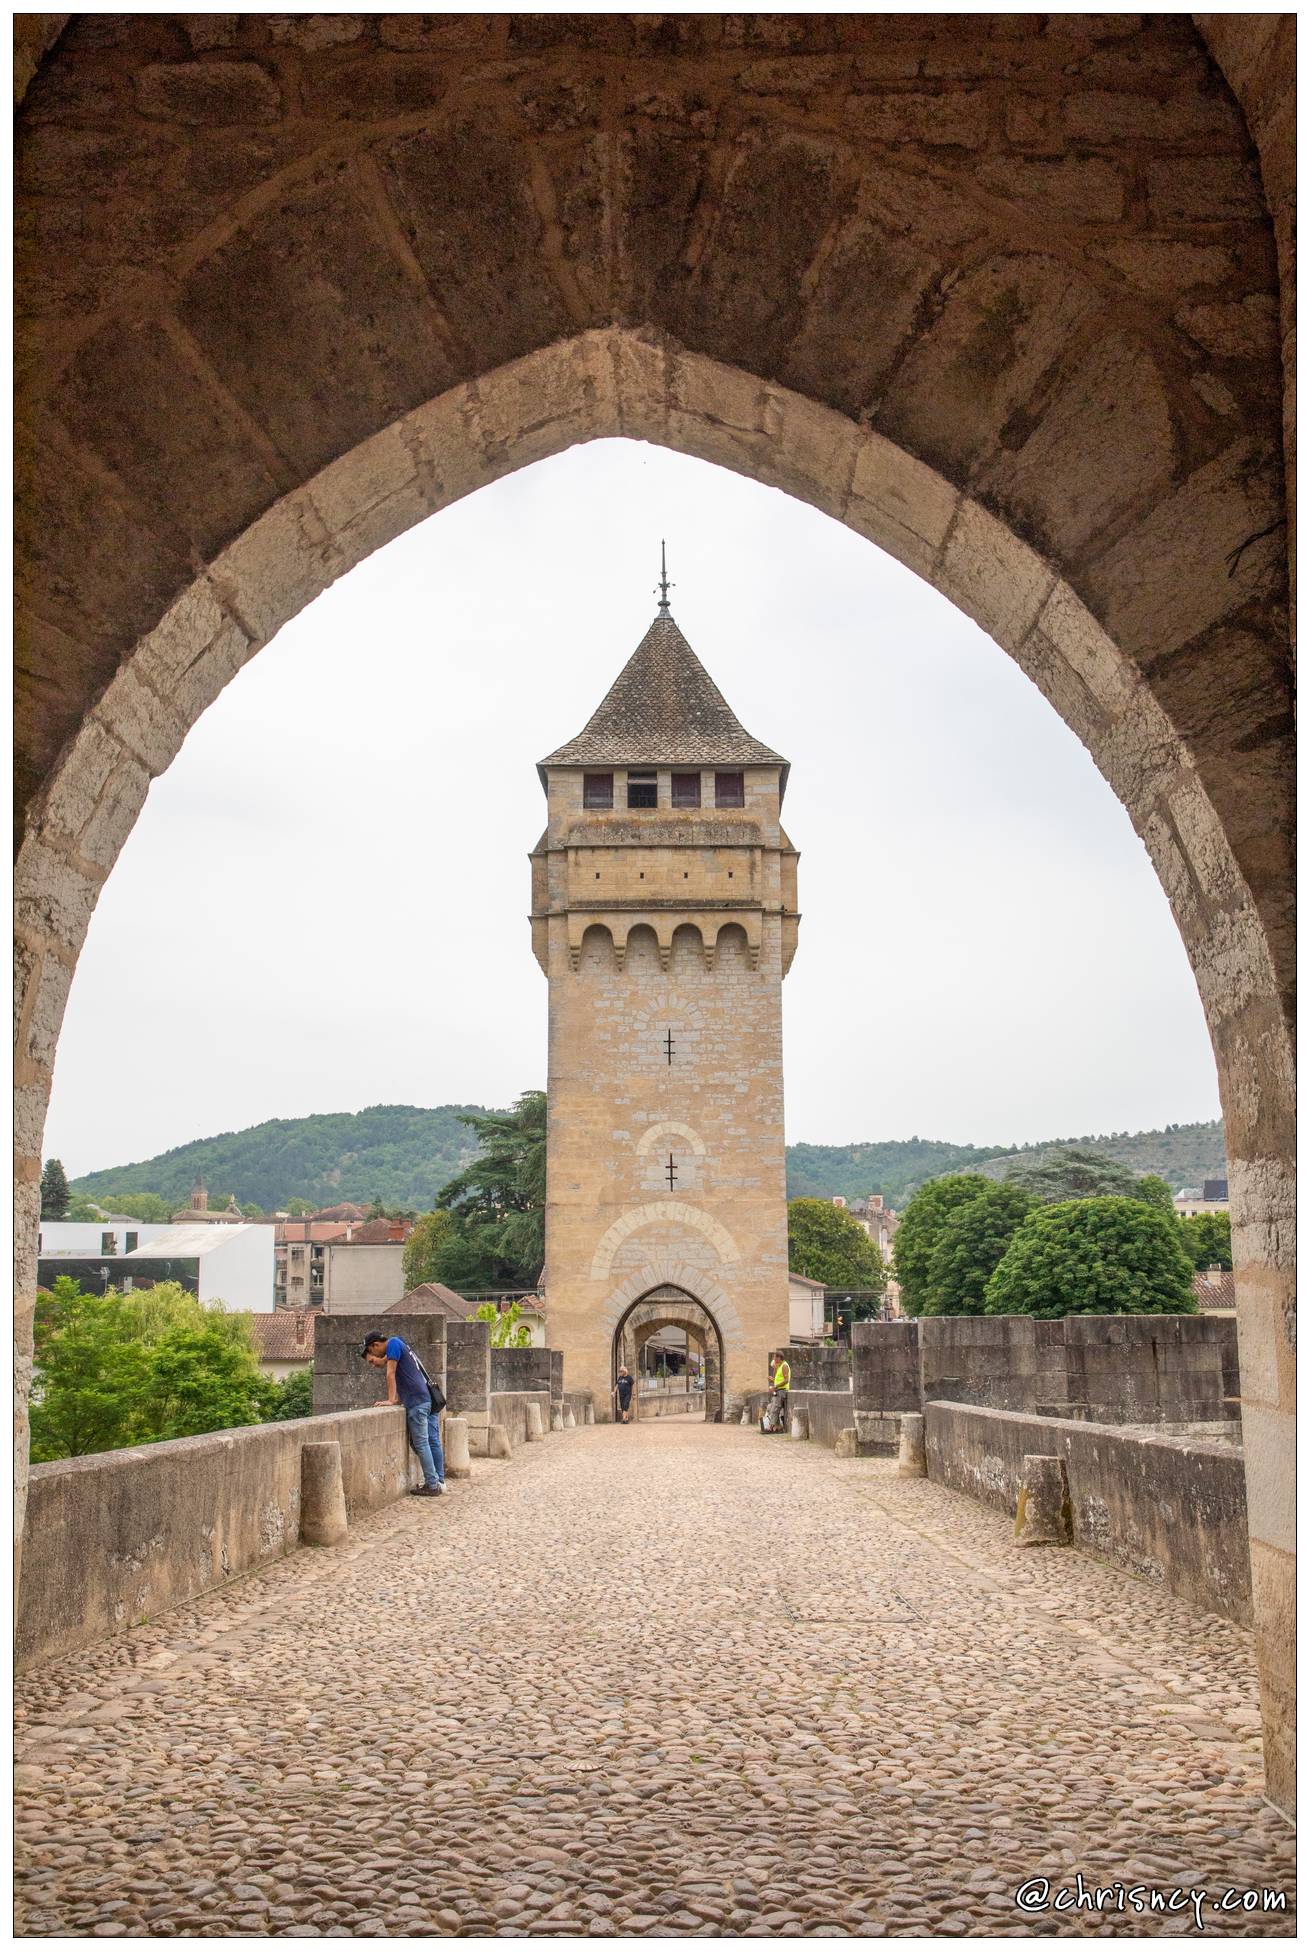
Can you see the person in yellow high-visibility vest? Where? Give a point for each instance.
(782, 1384)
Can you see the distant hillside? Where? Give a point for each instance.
(401, 1154)
(393, 1152)
(1183, 1155)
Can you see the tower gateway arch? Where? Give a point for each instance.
(664, 916)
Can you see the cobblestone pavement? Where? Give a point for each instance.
(663, 1680)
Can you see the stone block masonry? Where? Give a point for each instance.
(1170, 1509)
(1113, 1368)
(123, 1536)
(344, 1380)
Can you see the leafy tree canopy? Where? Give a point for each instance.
(920, 1227)
(825, 1243)
(499, 1200)
(508, 1328)
(148, 1207)
(1072, 1174)
(1093, 1256)
(295, 1396)
(54, 1190)
(1208, 1240)
(115, 1369)
(970, 1246)
(423, 1249)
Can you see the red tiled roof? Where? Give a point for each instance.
(1214, 1290)
(286, 1335)
(345, 1212)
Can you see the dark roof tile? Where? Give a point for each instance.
(664, 708)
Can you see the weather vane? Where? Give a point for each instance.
(665, 585)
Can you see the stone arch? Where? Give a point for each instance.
(667, 1129)
(596, 950)
(661, 1212)
(667, 1305)
(529, 232)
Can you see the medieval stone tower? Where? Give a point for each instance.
(664, 915)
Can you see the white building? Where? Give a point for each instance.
(805, 1304)
(231, 1266)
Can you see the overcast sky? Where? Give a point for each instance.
(323, 905)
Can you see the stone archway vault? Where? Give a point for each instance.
(1001, 293)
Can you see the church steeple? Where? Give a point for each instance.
(665, 585)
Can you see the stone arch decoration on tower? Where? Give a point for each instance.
(794, 268)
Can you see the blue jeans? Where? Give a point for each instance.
(425, 1441)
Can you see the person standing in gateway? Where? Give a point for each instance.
(408, 1385)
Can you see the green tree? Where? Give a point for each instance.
(54, 1190)
(421, 1259)
(1072, 1174)
(825, 1243)
(91, 1380)
(508, 1329)
(115, 1369)
(920, 1227)
(1154, 1191)
(202, 1378)
(299, 1208)
(1093, 1256)
(148, 1207)
(1208, 1240)
(970, 1246)
(499, 1199)
(295, 1396)
(84, 1210)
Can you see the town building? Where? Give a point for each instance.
(664, 917)
(284, 1340)
(1210, 1197)
(229, 1266)
(310, 1272)
(806, 1301)
(198, 1213)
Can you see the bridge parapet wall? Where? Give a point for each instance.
(1167, 1507)
(127, 1534)
(1104, 1368)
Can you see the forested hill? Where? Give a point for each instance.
(393, 1152)
(1183, 1155)
(402, 1155)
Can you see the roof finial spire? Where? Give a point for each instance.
(665, 584)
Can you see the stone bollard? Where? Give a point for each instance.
(322, 1495)
(800, 1425)
(498, 1443)
(536, 1434)
(570, 1420)
(848, 1443)
(911, 1459)
(1044, 1516)
(556, 1418)
(588, 1413)
(455, 1443)
(746, 1418)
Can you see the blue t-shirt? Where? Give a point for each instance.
(410, 1385)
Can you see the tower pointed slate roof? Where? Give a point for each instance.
(664, 708)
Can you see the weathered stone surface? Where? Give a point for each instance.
(215, 91)
(455, 1443)
(910, 1461)
(322, 1495)
(1043, 1514)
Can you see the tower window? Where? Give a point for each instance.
(642, 789)
(729, 789)
(598, 790)
(686, 789)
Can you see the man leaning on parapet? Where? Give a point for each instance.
(408, 1385)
